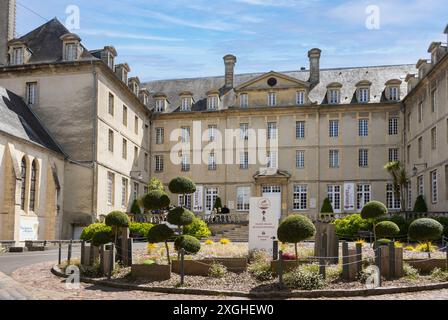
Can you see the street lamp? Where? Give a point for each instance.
(415, 170)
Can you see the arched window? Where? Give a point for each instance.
(33, 185)
(22, 192)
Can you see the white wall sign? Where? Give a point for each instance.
(198, 199)
(263, 222)
(349, 196)
(29, 228)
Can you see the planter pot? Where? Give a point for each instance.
(152, 272)
(202, 267)
(426, 266)
(288, 265)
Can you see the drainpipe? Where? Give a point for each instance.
(318, 161)
(95, 137)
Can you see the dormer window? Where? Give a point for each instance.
(272, 99)
(110, 60)
(244, 100)
(17, 56)
(71, 52)
(364, 95)
(71, 47)
(393, 90)
(300, 97)
(186, 104)
(212, 102)
(333, 96)
(160, 104)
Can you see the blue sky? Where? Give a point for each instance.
(165, 39)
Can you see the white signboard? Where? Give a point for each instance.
(349, 196)
(198, 200)
(263, 222)
(29, 228)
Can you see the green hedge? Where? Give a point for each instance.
(350, 225)
(140, 229)
(198, 229)
(88, 232)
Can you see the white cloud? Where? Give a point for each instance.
(124, 35)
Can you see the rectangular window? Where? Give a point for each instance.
(160, 135)
(363, 195)
(186, 104)
(185, 203)
(211, 194)
(17, 56)
(272, 159)
(145, 165)
(409, 121)
(71, 52)
(160, 105)
(420, 147)
(300, 197)
(334, 158)
(334, 128)
(409, 187)
(334, 194)
(212, 161)
(434, 138)
(185, 131)
(136, 156)
(433, 100)
(212, 132)
(300, 130)
(244, 131)
(333, 96)
(136, 191)
(364, 95)
(300, 159)
(272, 99)
(212, 103)
(124, 150)
(420, 111)
(393, 126)
(136, 125)
(185, 163)
(124, 192)
(393, 154)
(393, 93)
(244, 100)
(434, 188)
(242, 198)
(125, 116)
(392, 198)
(111, 104)
(31, 93)
(111, 141)
(300, 97)
(363, 158)
(408, 154)
(420, 186)
(363, 127)
(159, 163)
(110, 188)
(272, 130)
(244, 160)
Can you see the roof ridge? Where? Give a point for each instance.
(44, 25)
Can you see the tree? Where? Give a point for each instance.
(399, 180)
(425, 230)
(218, 204)
(387, 229)
(420, 205)
(180, 217)
(117, 220)
(156, 200)
(155, 184)
(135, 208)
(161, 233)
(102, 236)
(326, 206)
(372, 211)
(294, 229)
(190, 244)
(183, 186)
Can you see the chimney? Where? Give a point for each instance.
(446, 32)
(423, 67)
(437, 51)
(314, 56)
(122, 70)
(229, 62)
(411, 80)
(7, 27)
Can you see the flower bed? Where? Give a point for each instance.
(202, 267)
(151, 272)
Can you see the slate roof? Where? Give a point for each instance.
(17, 119)
(45, 43)
(348, 77)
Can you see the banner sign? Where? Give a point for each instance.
(349, 196)
(29, 228)
(198, 199)
(263, 222)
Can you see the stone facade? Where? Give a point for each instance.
(7, 27)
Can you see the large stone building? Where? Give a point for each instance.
(328, 132)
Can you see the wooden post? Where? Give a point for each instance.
(101, 249)
(69, 253)
(345, 271)
(275, 250)
(391, 260)
(130, 250)
(83, 255)
(111, 260)
(322, 256)
(60, 253)
(91, 255)
(182, 271)
(280, 268)
(359, 258)
(378, 264)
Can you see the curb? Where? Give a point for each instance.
(262, 295)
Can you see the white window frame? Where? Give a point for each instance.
(272, 159)
(186, 203)
(393, 126)
(136, 191)
(334, 195)
(124, 192)
(300, 197)
(393, 155)
(211, 194)
(185, 134)
(394, 93)
(272, 131)
(434, 138)
(212, 161)
(185, 162)
(363, 195)
(420, 186)
(392, 202)
(186, 104)
(300, 130)
(300, 159)
(160, 135)
(160, 105)
(333, 158)
(363, 158)
(334, 96)
(272, 99)
(434, 187)
(212, 102)
(110, 137)
(244, 160)
(333, 128)
(212, 129)
(300, 98)
(364, 95)
(244, 131)
(110, 188)
(244, 100)
(363, 127)
(71, 51)
(31, 93)
(18, 56)
(159, 163)
(242, 199)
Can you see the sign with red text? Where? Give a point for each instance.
(263, 222)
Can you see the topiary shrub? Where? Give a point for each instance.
(102, 236)
(117, 219)
(156, 200)
(182, 185)
(161, 233)
(381, 242)
(400, 221)
(349, 226)
(139, 229)
(180, 216)
(198, 229)
(425, 230)
(304, 279)
(190, 244)
(387, 229)
(135, 208)
(444, 222)
(373, 210)
(420, 205)
(294, 229)
(88, 232)
(218, 204)
(326, 206)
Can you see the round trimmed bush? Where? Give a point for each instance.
(88, 232)
(182, 185)
(386, 229)
(117, 219)
(135, 208)
(156, 200)
(381, 242)
(420, 204)
(326, 206)
(102, 236)
(373, 209)
(295, 228)
(425, 229)
(180, 216)
(190, 244)
(159, 233)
